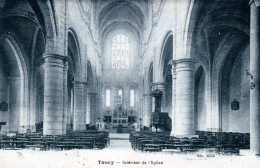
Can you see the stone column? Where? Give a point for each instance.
(184, 118)
(88, 120)
(173, 63)
(71, 110)
(53, 94)
(79, 123)
(147, 110)
(255, 78)
(93, 109)
(15, 103)
(39, 106)
(65, 97)
(161, 87)
(32, 101)
(98, 105)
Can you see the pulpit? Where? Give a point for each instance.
(160, 121)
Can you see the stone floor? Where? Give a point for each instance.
(120, 154)
(119, 136)
(119, 144)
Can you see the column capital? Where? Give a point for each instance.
(185, 60)
(55, 60)
(56, 56)
(66, 67)
(159, 84)
(92, 93)
(79, 82)
(185, 64)
(147, 94)
(257, 2)
(172, 62)
(173, 70)
(66, 64)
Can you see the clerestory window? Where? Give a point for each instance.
(120, 52)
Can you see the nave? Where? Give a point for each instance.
(173, 74)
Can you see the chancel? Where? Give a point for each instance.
(170, 74)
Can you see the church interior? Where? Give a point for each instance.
(170, 74)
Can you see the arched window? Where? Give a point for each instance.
(120, 96)
(107, 98)
(120, 52)
(120, 93)
(132, 98)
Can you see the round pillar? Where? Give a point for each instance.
(173, 112)
(53, 94)
(255, 78)
(93, 109)
(184, 118)
(65, 97)
(147, 110)
(79, 123)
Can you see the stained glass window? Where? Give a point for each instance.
(120, 96)
(120, 52)
(132, 98)
(108, 98)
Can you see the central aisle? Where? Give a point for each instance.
(119, 142)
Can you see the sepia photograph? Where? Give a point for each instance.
(129, 83)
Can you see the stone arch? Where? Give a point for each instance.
(18, 84)
(229, 45)
(91, 114)
(74, 53)
(44, 11)
(205, 19)
(233, 86)
(90, 75)
(74, 69)
(108, 86)
(217, 67)
(150, 77)
(166, 53)
(200, 108)
(132, 85)
(165, 75)
(192, 15)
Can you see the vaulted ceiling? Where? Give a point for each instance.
(24, 20)
(121, 14)
(216, 21)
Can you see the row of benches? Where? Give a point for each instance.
(162, 141)
(242, 140)
(73, 140)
